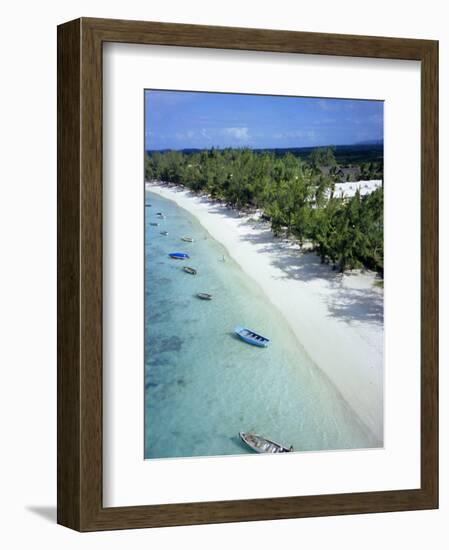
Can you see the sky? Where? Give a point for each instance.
(179, 120)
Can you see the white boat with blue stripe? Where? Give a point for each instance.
(179, 256)
(261, 444)
(251, 337)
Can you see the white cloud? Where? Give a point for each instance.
(294, 134)
(238, 132)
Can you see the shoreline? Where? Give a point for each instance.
(337, 319)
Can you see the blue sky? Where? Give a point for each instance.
(178, 120)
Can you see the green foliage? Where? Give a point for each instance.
(292, 193)
(322, 156)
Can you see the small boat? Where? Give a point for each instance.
(263, 445)
(187, 239)
(204, 296)
(160, 215)
(190, 270)
(154, 224)
(179, 256)
(148, 205)
(251, 337)
(164, 232)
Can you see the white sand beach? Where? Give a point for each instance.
(338, 319)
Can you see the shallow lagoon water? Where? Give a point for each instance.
(202, 384)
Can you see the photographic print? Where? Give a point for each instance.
(264, 274)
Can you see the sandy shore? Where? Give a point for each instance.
(337, 318)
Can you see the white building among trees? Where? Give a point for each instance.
(348, 189)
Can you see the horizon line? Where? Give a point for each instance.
(373, 142)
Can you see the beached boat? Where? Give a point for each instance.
(164, 233)
(154, 224)
(190, 270)
(251, 337)
(187, 239)
(261, 444)
(179, 255)
(204, 296)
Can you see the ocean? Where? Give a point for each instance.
(203, 385)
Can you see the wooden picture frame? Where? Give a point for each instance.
(80, 418)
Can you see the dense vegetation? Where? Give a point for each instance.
(368, 156)
(295, 195)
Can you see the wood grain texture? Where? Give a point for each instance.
(429, 271)
(68, 224)
(144, 32)
(80, 274)
(91, 277)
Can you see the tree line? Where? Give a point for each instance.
(294, 195)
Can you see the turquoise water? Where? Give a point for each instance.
(202, 384)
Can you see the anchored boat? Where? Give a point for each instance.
(204, 296)
(261, 444)
(251, 337)
(179, 255)
(190, 270)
